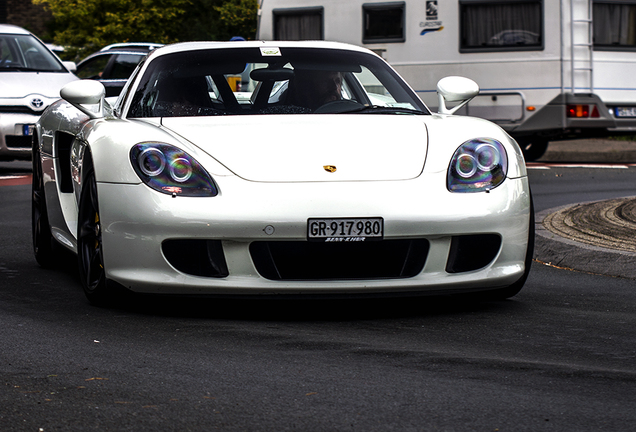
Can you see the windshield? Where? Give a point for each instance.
(243, 81)
(26, 53)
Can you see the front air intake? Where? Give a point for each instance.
(472, 252)
(301, 260)
(196, 257)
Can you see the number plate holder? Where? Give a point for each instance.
(629, 112)
(26, 129)
(345, 229)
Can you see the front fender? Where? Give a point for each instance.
(110, 141)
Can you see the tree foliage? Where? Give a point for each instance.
(219, 20)
(91, 24)
(238, 18)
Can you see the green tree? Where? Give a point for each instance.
(89, 25)
(94, 23)
(219, 20)
(238, 18)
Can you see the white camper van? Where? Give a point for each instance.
(547, 69)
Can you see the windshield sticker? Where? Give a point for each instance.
(270, 52)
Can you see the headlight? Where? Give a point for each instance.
(477, 165)
(170, 170)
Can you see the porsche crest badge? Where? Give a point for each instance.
(330, 168)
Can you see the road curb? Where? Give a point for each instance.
(558, 251)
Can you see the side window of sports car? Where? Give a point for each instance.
(125, 93)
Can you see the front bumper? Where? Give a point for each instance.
(136, 221)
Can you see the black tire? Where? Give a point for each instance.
(43, 242)
(90, 255)
(533, 149)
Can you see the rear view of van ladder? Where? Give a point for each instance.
(581, 54)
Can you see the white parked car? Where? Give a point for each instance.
(31, 77)
(332, 177)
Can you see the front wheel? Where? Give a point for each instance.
(89, 244)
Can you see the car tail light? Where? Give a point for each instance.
(583, 111)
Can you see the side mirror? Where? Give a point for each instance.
(455, 89)
(83, 94)
(71, 66)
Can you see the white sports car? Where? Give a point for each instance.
(278, 168)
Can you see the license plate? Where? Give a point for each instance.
(27, 129)
(625, 111)
(345, 229)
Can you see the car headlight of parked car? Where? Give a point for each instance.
(170, 170)
(477, 165)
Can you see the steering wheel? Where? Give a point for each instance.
(2, 62)
(338, 106)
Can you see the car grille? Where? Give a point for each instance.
(18, 110)
(18, 141)
(301, 260)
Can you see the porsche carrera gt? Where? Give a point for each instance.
(279, 169)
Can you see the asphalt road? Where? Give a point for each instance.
(559, 356)
(581, 171)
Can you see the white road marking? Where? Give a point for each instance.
(536, 165)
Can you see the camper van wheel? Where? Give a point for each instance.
(533, 149)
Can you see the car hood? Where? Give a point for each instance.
(21, 84)
(322, 147)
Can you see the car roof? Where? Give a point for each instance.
(140, 53)
(139, 48)
(192, 46)
(13, 29)
(131, 46)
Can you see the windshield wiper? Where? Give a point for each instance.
(377, 109)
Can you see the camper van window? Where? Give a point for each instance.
(511, 25)
(298, 24)
(614, 26)
(383, 22)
